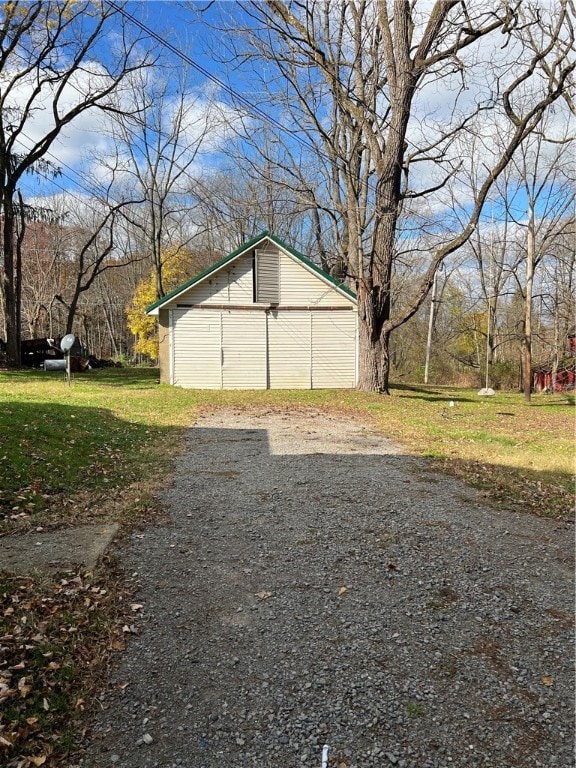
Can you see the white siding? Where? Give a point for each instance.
(238, 349)
(243, 349)
(196, 349)
(289, 350)
(300, 286)
(232, 284)
(246, 348)
(333, 349)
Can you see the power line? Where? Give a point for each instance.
(237, 96)
(220, 83)
(92, 191)
(51, 180)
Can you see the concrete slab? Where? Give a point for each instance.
(56, 550)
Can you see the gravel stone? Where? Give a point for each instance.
(452, 644)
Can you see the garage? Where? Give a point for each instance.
(264, 317)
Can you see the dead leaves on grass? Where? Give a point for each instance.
(514, 489)
(51, 630)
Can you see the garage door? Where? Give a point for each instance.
(243, 350)
(196, 349)
(333, 350)
(289, 350)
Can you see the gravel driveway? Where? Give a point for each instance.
(316, 586)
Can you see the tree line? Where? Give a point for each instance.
(420, 152)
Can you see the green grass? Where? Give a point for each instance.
(111, 437)
(63, 445)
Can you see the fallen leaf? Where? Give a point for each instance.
(6, 692)
(263, 595)
(342, 590)
(23, 688)
(40, 760)
(136, 606)
(547, 680)
(45, 705)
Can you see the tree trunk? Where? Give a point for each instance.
(369, 362)
(72, 308)
(18, 270)
(527, 324)
(8, 280)
(556, 350)
(385, 342)
(372, 355)
(490, 346)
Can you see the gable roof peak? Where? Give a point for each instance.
(265, 234)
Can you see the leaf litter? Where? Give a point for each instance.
(51, 629)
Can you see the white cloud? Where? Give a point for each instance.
(34, 112)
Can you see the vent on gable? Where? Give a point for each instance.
(267, 277)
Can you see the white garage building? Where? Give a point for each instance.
(263, 317)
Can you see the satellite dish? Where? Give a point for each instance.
(67, 343)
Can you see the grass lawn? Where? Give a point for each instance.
(101, 448)
(95, 449)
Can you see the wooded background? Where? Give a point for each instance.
(421, 152)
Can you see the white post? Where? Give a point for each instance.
(490, 300)
(430, 326)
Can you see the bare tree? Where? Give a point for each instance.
(49, 58)
(546, 185)
(560, 298)
(357, 77)
(90, 250)
(160, 141)
(492, 249)
(43, 273)
(245, 198)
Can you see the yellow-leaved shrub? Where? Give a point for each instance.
(178, 265)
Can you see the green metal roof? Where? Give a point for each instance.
(238, 252)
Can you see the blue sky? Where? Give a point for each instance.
(74, 151)
(188, 30)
